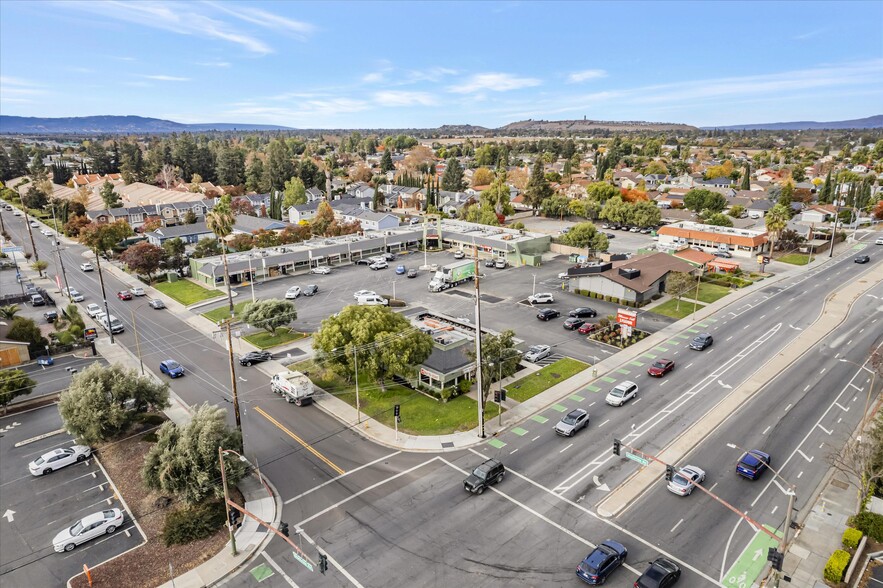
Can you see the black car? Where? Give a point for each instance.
(583, 312)
(611, 236)
(548, 314)
(310, 290)
(662, 573)
(51, 316)
(255, 357)
(412, 273)
(363, 261)
(701, 341)
(573, 323)
(862, 259)
(489, 262)
(389, 256)
(490, 472)
(602, 562)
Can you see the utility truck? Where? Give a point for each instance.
(294, 387)
(452, 275)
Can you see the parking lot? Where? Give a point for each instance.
(498, 286)
(35, 509)
(54, 378)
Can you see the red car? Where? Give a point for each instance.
(587, 328)
(124, 295)
(661, 367)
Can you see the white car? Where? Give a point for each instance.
(322, 269)
(93, 310)
(16, 212)
(541, 298)
(292, 293)
(361, 293)
(537, 352)
(59, 458)
(46, 232)
(680, 482)
(622, 393)
(87, 267)
(459, 254)
(879, 241)
(87, 528)
(137, 291)
(379, 265)
(73, 294)
(34, 224)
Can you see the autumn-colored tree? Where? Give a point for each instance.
(151, 224)
(243, 206)
(878, 210)
(634, 196)
(323, 219)
(518, 178)
(361, 173)
(143, 258)
(265, 238)
(337, 228)
(419, 158)
(241, 242)
(294, 234)
(74, 225)
(725, 170)
(482, 177)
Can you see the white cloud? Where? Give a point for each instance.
(10, 86)
(374, 77)
(585, 75)
(402, 98)
(214, 63)
(494, 82)
(432, 74)
(262, 18)
(165, 78)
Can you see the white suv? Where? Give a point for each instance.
(541, 298)
(622, 393)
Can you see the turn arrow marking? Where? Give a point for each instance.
(8, 515)
(727, 386)
(599, 485)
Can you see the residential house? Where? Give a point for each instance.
(369, 220)
(653, 181)
(302, 212)
(249, 224)
(818, 213)
(190, 234)
(314, 194)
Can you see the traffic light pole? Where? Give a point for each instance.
(227, 502)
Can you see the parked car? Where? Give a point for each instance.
(610, 235)
(489, 472)
(583, 312)
(93, 310)
(548, 314)
(572, 422)
(541, 298)
(722, 253)
(635, 230)
(601, 562)
(364, 261)
(537, 352)
(74, 295)
(622, 393)
(137, 291)
(51, 316)
(86, 267)
(662, 573)
(311, 290)
(862, 259)
(646, 231)
(157, 304)
(171, 368)
(253, 357)
(660, 367)
(321, 269)
(87, 528)
(587, 328)
(680, 482)
(573, 324)
(701, 341)
(46, 232)
(400, 270)
(361, 293)
(59, 458)
(459, 254)
(34, 224)
(379, 265)
(412, 273)
(753, 464)
(37, 300)
(489, 262)
(292, 293)
(124, 295)
(388, 256)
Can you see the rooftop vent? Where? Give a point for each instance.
(629, 273)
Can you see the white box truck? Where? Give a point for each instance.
(294, 387)
(452, 275)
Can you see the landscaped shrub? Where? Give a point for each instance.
(464, 385)
(194, 523)
(447, 393)
(851, 538)
(869, 523)
(836, 566)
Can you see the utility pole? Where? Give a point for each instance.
(61, 261)
(836, 220)
(356, 364)
(480, 392)
(104, 294)
(30, 233)
(227, 502)
(233, 379)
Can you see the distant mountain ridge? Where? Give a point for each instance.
(116, 124)
(870, 122)
(580, 125)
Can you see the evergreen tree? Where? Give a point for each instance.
(787, 195)
(386, 164)
(110, 198)
(60, 173)
(18, 161)
(5, 166)
(826, 195)
(538, 188)
(746, 178)
(452, 180)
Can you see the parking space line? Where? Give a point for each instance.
(92, 544)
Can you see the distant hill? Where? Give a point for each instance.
(871, 122)
(114, 124)
(461, 130)
(584, 125)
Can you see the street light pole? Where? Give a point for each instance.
(226, 503)
(137, 342)
(358, 406)
(233, 379)
(103, 294)
(478, 382)
(58, 251)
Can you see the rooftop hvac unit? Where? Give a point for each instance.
(629, 273)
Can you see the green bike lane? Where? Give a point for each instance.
(748, 566)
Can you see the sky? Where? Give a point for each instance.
(424, 64)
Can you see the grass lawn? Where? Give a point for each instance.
(421, 414)
(529, 386)
(709, 293)
(670, 308)
(794, 258)
(185, 292)
(223, 313)
(265, 340)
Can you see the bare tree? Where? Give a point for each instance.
(859, 460)
(167, 175)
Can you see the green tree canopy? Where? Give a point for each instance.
(269, 314)
(26, 330)
(601, 191)
(717, 219)
(737, 211)
(498, 358)
(679, 283)
(555, 206)
(776, 220)
(699, 199)
(206, 248)
(14, 383)
(538, 188)
(110, 198)
(615, 210)
(452, 180)
(644, 214)
(295, 193)
(386, 164)
(101, 237)
(585, 235)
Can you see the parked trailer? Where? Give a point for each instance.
(452, 275)
(294, 387)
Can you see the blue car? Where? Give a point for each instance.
(172, 368)
(599, 564)
(400, 270)
(45, 360)
(753, 464)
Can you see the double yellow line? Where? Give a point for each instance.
(306, 445)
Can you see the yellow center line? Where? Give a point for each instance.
(306, 445)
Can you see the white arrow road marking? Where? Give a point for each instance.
(757, 554)
(725, 386)
(795, 328)
(599, 485)
(8, 515)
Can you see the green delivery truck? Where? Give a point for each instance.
(452, 275)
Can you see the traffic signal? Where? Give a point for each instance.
(497, 397)
(323, 563)
(233, 516)
(397, 410)
(283, 528)
(775, 558)
(669, 473)
(616, 444)
(503, 395)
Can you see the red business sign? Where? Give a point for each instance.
(627, 317)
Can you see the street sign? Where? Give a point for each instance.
(302, 560)
(12, 249)
(637, 458)
(628, 318)
(90, 334)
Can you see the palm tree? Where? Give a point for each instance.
(220, 220)
(9, 311)
(776, 220)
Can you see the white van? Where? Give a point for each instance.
(112, 324)
(754, 214)
(372, 300)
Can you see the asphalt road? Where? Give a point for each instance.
(56, 378)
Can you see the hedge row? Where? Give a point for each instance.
(869, 523)
(836, 566)
(613, 299)
(851, 538)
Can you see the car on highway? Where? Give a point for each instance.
(680, 482)
(157, 304)
(660, 367)
(541, 298)
(412, 273)
(171, 368)
(137, 291)
(361, 293)
(45, 360)
(321, 269)
(51, 316)
(459, 254)
(879, 241)
(662, 573)
(548, 314)
(379, 265)
(862, 259)
(400, 270)
(59, 458)
(489, 472)
(87, 267)
(537, 352)
(583, 312)
(292, 293)
(74, 295)
(46, 232)
(124, 295)
(93, 310)
(88, 528)
(572, 324)
(253, 357)
(572, 422)
(601, 562)
(34, 224)
(752, 464)
(621, 393)
(311, 290)
(587, 328)
(701, 341)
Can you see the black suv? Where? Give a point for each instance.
(702, 341)
(255, 357)
(490, 472)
